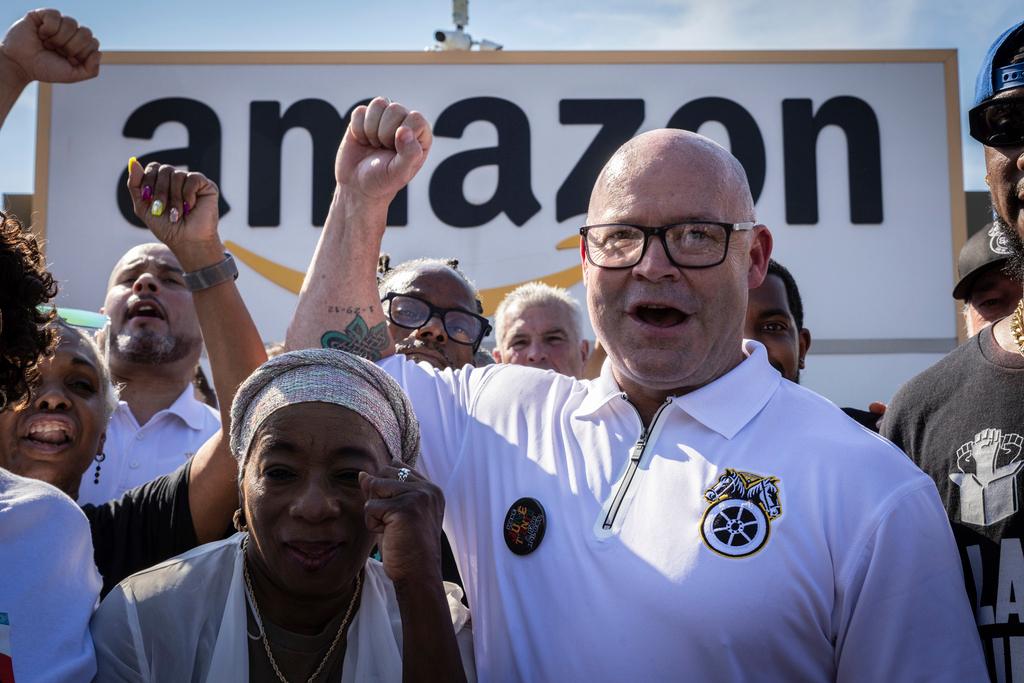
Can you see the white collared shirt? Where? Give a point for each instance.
(840, 564)
(136, 455)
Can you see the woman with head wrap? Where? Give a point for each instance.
(325, 443)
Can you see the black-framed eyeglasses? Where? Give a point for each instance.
(998, 123)
(413, 313)
(701, 244)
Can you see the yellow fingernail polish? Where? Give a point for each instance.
(157, 208)
(131, 160)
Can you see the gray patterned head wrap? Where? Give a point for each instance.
(325, 376)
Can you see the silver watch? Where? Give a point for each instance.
(204, 278)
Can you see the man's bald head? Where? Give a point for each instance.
(669, 161)
(142, 252)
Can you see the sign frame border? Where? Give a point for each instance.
(946, 57)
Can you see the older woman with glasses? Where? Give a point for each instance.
(325, 444)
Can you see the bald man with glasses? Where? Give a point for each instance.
(687, 514)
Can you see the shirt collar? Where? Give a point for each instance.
(601, 390)
(186, 407)
(734, 399)
(724, 406)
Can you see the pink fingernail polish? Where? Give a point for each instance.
(186, 208)
(147, 193)
(174, 215)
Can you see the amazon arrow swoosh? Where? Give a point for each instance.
(291, 279)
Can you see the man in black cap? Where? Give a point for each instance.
(962, 420)
(989, 293)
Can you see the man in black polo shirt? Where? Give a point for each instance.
(962, 420)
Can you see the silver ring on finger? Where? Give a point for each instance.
(403, 474)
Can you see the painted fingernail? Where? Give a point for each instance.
(131, 160)
(147, 193)
(173, 215)
(158, 208)
(185, 208)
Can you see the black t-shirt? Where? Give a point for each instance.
(962, 422)
(147, 525)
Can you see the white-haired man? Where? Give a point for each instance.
(541, 326)
(687, 514)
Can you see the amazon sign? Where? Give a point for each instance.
(853, 159)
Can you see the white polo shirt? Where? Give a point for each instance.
(49, 585)
(763, 535)
(137, 455)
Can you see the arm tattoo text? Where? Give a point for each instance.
(349, 310)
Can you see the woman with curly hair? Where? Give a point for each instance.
(50, 585)
(24, 285)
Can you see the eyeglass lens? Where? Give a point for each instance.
(688, 243)
(412, 313)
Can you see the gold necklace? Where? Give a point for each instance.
(1017, 327)
(263, 633)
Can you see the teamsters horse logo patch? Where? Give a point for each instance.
(742, 507)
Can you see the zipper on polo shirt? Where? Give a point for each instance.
(636, 456)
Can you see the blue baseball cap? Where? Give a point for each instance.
(992, 79)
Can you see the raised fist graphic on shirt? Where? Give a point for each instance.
(989, 493)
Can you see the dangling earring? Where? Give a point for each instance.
(100, 457)
(238, 520)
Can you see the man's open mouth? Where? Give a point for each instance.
(145, 308)
(659, 315)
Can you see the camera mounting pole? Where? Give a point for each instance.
(459, 39)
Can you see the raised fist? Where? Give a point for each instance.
(406, 509)
(383, 149)
(48, 46)
(180, 209)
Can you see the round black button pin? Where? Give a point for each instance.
(525, 523)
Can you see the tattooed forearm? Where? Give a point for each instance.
(358, 338)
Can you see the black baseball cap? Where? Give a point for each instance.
(986, 247)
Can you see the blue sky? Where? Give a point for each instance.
(967, 25)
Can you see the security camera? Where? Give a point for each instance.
(453, 40)
(459, 39)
